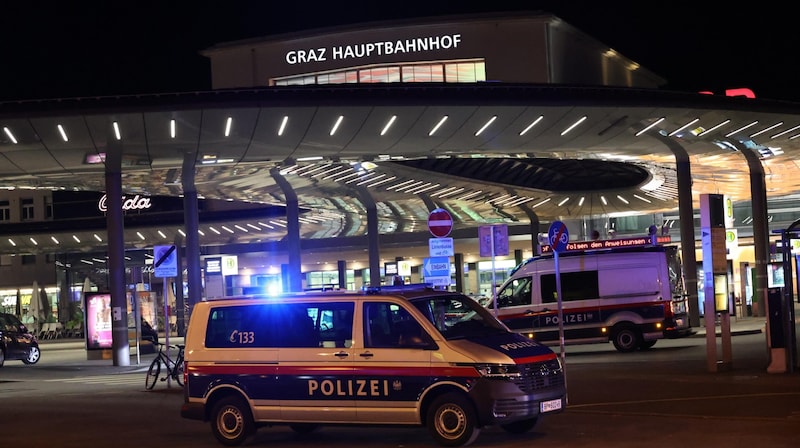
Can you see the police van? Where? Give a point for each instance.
(632, 296)
(382, 356)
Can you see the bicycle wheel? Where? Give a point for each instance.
(179, 373)
(152, 373)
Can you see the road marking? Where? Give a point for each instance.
(115, 379)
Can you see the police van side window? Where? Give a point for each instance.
(580, 285)
(516, 292)
(387, 325)
(281, 325)
(333, 322)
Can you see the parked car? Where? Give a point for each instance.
(16, 342)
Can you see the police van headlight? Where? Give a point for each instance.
(498, 370)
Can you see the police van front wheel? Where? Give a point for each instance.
(626, 338)
(451, 420)
(231, 422)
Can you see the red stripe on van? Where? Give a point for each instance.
(538, 358)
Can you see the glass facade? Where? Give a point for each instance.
(438, 71)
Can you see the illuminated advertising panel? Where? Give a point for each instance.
(98, 320)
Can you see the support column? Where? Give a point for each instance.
(341, 266)
(115, 220)
(758, 195)
(294, 274)
(534, 218)
(459, 261)
(192, 226)
(373, 240)
(686, 215)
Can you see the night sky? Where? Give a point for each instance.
(55, 49)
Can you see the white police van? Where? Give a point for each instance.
(385, 356)
(632, 296)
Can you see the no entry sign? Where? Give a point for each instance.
(440, 223)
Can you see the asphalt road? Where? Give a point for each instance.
(663, 397)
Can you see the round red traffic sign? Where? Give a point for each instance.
(440, 223)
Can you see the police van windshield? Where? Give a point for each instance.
(459, 317)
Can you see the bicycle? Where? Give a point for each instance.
(174, 367)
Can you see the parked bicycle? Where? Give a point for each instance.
(174, 366)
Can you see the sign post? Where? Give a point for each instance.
(493, 240)
(558, 235)
(440, 248)
(165, 265)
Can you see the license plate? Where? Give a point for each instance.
(550, 405)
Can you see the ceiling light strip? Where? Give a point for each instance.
(358, 175)
(282, 127)
(411, 186)
(470, 195)
(388, 125)
(10, 135)
(335, 168)
(741, 128)
(228, 125)
(519, 202)
(172, 130)
(336, 125)
(780, 123)
(438, 125)
(650, 126)
(714, 128)
(785, 132)
(573, 126)
(388, 179)
(401, 184)
(530, 126)
(63, 133)
(366, 176)
(117, 132)
(486, 125)
(683, 127)
(450, 193)
(541, 203)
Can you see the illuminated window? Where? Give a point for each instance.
(461, 71)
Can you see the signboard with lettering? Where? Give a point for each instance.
(440, 247)
(493, 240)
(576, 246)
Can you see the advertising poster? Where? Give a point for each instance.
(98, 320)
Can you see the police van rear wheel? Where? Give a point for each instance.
(626, 338)
(231, 421)
(452, 421)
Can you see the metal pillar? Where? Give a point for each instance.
(341, 266)
(191, 224)
(758, 193)
(295, 281)
(459, 262)
(686, 215)
(373, 239)
(121, 352)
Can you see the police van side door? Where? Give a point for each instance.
(315, 361)
(392, 363)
